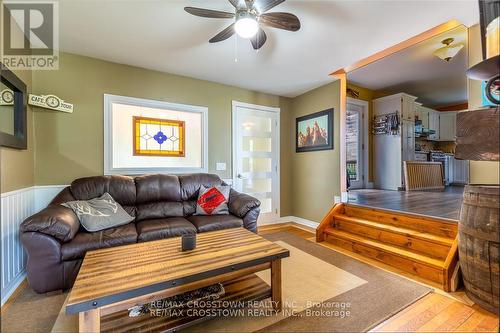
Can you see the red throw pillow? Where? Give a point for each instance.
(213, 200)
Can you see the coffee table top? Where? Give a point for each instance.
(115, 274)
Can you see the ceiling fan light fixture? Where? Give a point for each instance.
(447, 52)
(246, 25)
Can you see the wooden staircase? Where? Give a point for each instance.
(421, 245)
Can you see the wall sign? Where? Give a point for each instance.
(51, 102)
(6, 97)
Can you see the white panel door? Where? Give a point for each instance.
(256, 156)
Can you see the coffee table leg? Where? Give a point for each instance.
(276, 285)
(90, 321)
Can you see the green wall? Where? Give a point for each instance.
(17, 166)
(315, 176)
(71, 145)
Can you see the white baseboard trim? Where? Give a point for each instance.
(295, 219)
(13, 286)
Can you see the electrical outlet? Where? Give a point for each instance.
(220, 166)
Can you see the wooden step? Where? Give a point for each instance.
(436, 226)
(404, 259)
(423, 242)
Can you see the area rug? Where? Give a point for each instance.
(323, 291)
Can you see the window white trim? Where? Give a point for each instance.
(108, 134)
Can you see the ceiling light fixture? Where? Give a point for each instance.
(246, 25)
(447, 52)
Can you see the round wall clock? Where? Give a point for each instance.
(8, 96)
(52, 101)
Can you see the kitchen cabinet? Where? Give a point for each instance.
(433, 125)
(447, 126)
(407, 107)
(423, 115)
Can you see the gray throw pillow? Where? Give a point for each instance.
(213, 200)
(99, 213)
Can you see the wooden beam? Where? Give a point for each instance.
(400, 46)
(453, 107)
(341, 75)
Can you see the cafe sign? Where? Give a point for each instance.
(51, 102)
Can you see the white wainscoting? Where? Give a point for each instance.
(16, 206)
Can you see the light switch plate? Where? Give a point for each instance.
(220, 166)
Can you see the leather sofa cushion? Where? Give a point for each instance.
(190, 184)
(205, 223)
(240, 203)
(159, 210)
(55, 220)
(86, 241)
(149, 230)
(121, 188)
(152, 188)
(63, 196)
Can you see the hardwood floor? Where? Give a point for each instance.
(436, 312)
(444, 204)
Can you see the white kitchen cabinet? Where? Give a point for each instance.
(447, 126)
(407, 107)
(433, 125)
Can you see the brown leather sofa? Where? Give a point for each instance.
(163, 207)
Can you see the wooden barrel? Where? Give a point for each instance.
(478, 245)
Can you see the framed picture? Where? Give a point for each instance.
(314, 132)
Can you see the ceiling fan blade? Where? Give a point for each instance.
(223, 35)
(259, 39)
(264, 5)
(284, 21)
(208, 13)
(236, 3)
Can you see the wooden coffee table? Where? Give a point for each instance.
(112, 280)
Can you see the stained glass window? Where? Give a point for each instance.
(158, 137)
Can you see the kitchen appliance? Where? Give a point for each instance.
(439, 156)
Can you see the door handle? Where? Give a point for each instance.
(240, 176)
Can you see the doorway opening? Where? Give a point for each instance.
(357, 163)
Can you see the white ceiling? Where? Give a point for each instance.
(159, 35)
(418, 72)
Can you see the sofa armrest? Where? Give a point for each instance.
(240, 203)
(44, 266)
(55, 220)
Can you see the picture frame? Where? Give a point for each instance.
(16, 104)
(314, 132)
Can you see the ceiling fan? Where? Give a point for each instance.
(249, 17)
